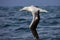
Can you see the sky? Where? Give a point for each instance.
(29, 2)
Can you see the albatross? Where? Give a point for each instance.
(35, 13)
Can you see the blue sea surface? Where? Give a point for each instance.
(14, 25)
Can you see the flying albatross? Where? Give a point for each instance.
(35, 13)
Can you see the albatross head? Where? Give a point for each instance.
(32, 9)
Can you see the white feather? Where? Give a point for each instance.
(33, 9)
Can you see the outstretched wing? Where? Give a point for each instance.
(42, 10)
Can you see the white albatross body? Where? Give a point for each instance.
(35, 13)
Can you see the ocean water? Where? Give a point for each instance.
(14, 25)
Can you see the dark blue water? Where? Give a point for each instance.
(14, 25)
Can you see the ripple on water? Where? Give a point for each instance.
(14, 25)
